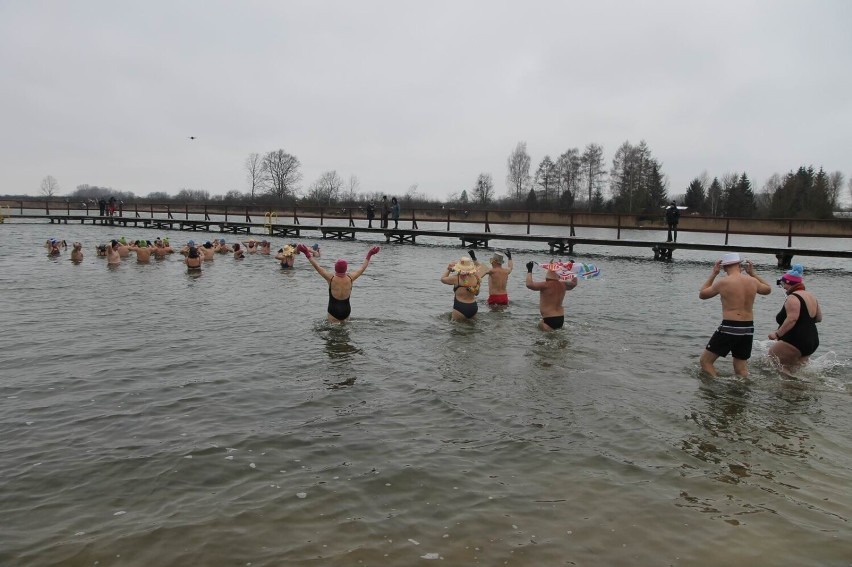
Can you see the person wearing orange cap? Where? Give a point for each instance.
(339, 283)
(737, 291)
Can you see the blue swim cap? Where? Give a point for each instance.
(315, 247)
(191, 243)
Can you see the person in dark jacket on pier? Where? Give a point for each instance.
(672, 218)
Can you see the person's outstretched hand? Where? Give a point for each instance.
(373, 251)
(304, 250)
(508, 254)
(472, 255)
(530, 265)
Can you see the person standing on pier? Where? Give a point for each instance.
(102, 204)
(672, 218)
(737, 292)
(557, 282)
(339, 283)
(395, 212)
(498, 278)
(385, 211)
(371, 214)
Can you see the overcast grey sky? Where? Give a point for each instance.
(397, 93)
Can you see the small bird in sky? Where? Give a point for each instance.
(191, 137)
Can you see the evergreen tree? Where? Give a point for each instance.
(531, 199)
(695, 196)
(739, 198)
(656, 194)
(713, 203)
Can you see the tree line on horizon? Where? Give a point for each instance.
(575, 181)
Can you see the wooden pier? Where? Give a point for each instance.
(558, 245)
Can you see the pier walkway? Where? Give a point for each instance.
(558, 245)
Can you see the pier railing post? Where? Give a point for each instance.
(618, 234)
(186, 210)
(790, 233)
(226, 213)
(529, 216)
(151, 205)
(448, 221)
(322, 215)
(727, 230)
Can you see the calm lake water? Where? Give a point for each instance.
(152, 418)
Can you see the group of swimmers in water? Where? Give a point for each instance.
(796, 337)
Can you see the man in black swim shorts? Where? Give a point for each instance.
(737, 292)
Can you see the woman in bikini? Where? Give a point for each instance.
(339, 283)
(286, 256)
(464, 277)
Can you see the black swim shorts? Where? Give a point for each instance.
(733, 337)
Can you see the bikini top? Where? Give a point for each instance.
(472, 288)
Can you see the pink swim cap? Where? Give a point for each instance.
(340, 267)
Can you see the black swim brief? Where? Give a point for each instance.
(554, 322)
(733, 337)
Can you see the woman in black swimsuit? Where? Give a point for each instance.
(464, 277)
(339, 283)
(797, 336)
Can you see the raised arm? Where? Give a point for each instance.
(357, 273)
(511, 264)
(763, 288)
(535, 286)
(446, 277)
(709, 288)
(320, 270)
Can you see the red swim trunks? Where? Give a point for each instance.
(498, 299)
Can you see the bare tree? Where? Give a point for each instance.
(281, 174)
(547, 178)
(49, 186)
(352, 189)
(326, 189)
(568, 169)
(593, 169)
(518, 177)
(254, 171)
(483, 191)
